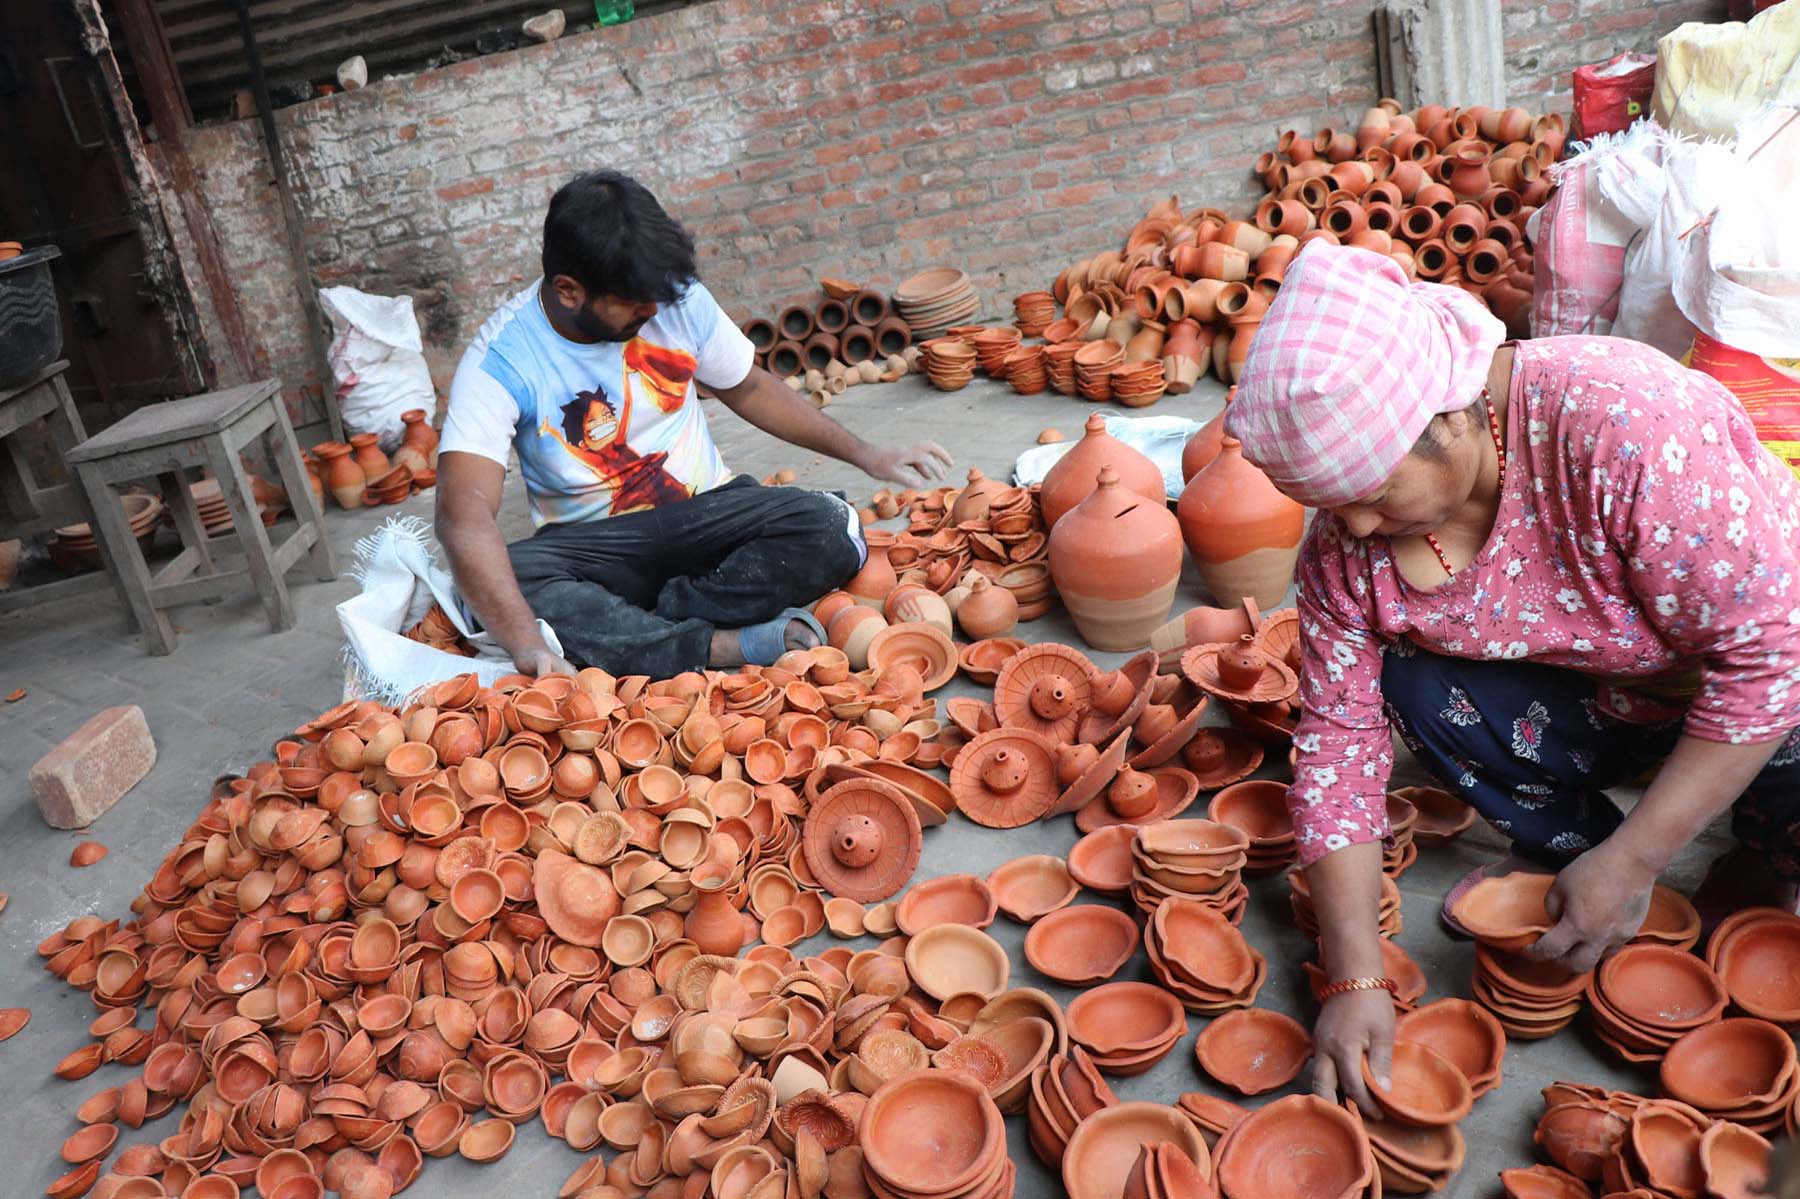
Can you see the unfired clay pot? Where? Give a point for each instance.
(1068, 482)
(1116, 560)
(1243, 533)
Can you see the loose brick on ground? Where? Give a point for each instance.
(93, 768)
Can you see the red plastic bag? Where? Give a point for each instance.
(1771, 397)
(1612, 94)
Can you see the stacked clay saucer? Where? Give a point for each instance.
(1414, 1159)
(1137, 1149)
(1742, 1069)
(933, 300)
(1202, 958)
(1645, 997)
(1756, 954)
(948, 1110)
(1258, 807)
(1301, 1146)
(1198, 860)
(1065, 1091)
(1531, 999)
(1671, 920)
(1307, 921)
(1126, 1027)
(1465, 1034)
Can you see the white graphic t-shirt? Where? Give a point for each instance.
(600, 429)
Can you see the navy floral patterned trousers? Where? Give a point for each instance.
(1528, 747)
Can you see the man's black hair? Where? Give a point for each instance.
(574, 414)
(608, 233)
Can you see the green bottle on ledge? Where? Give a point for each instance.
(613, 12)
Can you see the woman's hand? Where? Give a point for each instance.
(1599, 902)
(1351, 1026)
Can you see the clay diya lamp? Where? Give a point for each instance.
(924, 647)
(1731, 1068)
(1105, 1147)
(1209, 1113)
(1580, 1136)
(1101, 861)
(1734, 1161)
(1046, 689)
(1542, 1182)
(1442, 817)
(1664, 1140)
(946, 899)
(1239, 671)
(1219, 757)
(1192, 844)
(1081, 944)
(1033, 886)
(1253, 1050)
(954, 959)
(1164, 731)
(1258, 808)
(1660, 989)
(1414, 1160)
(1119, 1019)
(1300, 1146)
(1006, 778)
(1427, 1088)
(1205, 950)
(1672, 920)
(1507, 911)
(1084, 772)
(983, 660)
(1756, 954)
(862, 840)
(1463, 1033)
(1118, 698)
(946, 1109)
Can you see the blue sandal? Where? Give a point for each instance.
(761, 644)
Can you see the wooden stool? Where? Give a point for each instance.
(164, 440)
(29, 508)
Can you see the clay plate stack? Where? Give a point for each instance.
(1646, 997)
(73, 548)
(931, 301)
(1531, 999)
(948, 1110)
(1202, 958)
(1197, 860)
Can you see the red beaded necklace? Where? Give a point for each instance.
(1499, 449)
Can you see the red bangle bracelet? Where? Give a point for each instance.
(1359, 984)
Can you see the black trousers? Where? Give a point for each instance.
(642, 593)
(1525, 745)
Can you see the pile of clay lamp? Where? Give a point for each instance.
(850, 326)
(1642, 999)
(973, 558)
(1625, 1144)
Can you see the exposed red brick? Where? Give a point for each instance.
(93, 767)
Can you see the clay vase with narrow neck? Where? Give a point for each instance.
(1243, 533)
(714, 924)
(1116, 560)
(419, 434)
(1072, 478)
(314, 480)
(368, 455)
(343, 478)
(1203, 446)
(872, 583)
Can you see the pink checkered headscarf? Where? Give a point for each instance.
(1350, 365)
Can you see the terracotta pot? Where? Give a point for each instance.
(342, 477)
(1243, 533)
(1073, 477)
(987, 611)
(871, 584)
(367, 455)
(419, 434)
(714, 923)
(1116, 561)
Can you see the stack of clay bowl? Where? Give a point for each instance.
(1414, 1159)
(1137, 1149)
(1463, 1033)
(390, 487)
(73, 548)
(1065, 1091)
(1671, 920)
(1530, 999)
(1033, 311)
(1197, 860)
(1094, 364)
(1307, 920)
(1059, 365)
(1024, 369)
(948, 1111)
(1138, 384)
(210, 505)
(932, 301)
(1428, 1089)
(1202, 958)
(1756, 954)
(991, 348)
(949, 363)
(1258, 809)
(1127, 1027)
(1300, 1146)
(1645, 997)
(1742, 1070)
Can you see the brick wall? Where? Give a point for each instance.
(846, 137)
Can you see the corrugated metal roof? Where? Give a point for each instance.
(305, 40)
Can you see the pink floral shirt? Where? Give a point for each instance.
(1642, 531)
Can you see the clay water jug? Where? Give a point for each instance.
(419, 434)
(876, 578)
(714, 924)
(1243, 533)
(1116, 560)
(341, 475)
(369, 457)
(1068, 482)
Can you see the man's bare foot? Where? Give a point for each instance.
(1740, 878)
(727, 651)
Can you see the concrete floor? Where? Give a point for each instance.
(231, 689)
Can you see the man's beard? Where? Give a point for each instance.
(592, 326)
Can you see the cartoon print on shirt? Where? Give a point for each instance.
(599, 435)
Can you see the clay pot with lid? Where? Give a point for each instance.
(1116, 560)
(1076, 473)
(1243, 533)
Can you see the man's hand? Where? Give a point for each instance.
(1599, 902)
(1349, 1026)
(910, 466)
(539, 660)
